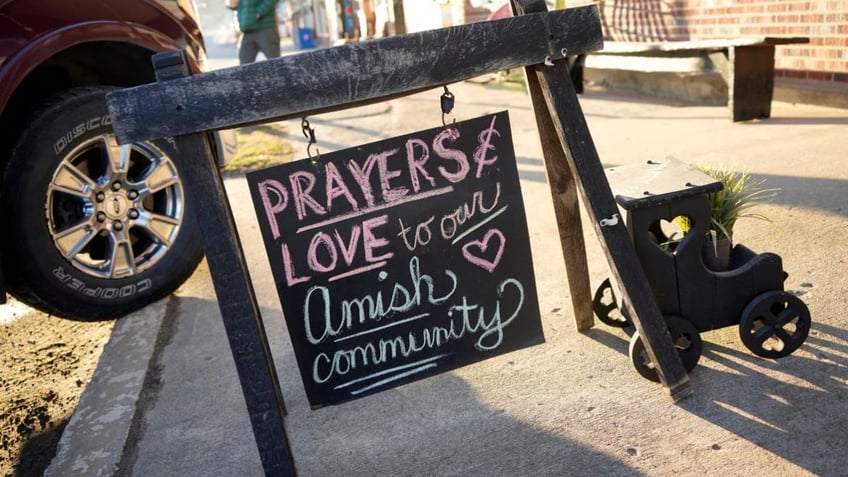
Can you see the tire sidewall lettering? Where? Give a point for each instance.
(80, 129)
(109, 293)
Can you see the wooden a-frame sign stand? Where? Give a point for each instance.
(187, 107)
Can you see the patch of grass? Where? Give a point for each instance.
(260, 147)
(508, 80)
(512, 80)
(514, 76)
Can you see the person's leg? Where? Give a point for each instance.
(269, 42)
(248, 48)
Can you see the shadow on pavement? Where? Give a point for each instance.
(825, 194)
(437, 426)
(794, 407)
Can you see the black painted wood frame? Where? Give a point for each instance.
(187, 107)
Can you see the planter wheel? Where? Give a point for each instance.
(774, 324)
(605, 306)
(686, 339)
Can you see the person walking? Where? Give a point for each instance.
(257, 21)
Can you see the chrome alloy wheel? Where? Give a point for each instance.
(114, 211)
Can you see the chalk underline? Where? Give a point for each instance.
(418, 367)
(478, 225)
(379, 328)
(357, 271)
(368, 210)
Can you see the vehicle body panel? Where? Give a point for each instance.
(29, 39)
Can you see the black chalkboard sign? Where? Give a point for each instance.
(400, 259)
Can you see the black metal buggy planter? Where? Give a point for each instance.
(772, 322)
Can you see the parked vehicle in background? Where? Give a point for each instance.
(90, 229)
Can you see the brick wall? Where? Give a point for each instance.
(825, 22)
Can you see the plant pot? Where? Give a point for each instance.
(716, 255)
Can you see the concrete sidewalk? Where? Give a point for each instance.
(166, 400)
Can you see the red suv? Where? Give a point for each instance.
(90, 229)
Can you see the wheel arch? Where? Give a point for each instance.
(91, 54)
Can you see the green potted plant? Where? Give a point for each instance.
(739, 194)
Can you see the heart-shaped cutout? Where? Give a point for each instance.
(476, 251)
(668, 235)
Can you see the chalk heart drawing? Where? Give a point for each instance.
(476, 251)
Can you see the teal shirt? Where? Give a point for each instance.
(257, 15)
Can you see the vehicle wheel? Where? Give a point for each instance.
(95, 229)
(774, 324)
(686, 339)
(605, 306)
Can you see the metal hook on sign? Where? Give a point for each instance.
(447, 101)
(548, 61)
(309, 133)
(612, 221)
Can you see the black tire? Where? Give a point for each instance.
(89, 235)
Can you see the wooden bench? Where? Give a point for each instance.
(746, 64)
